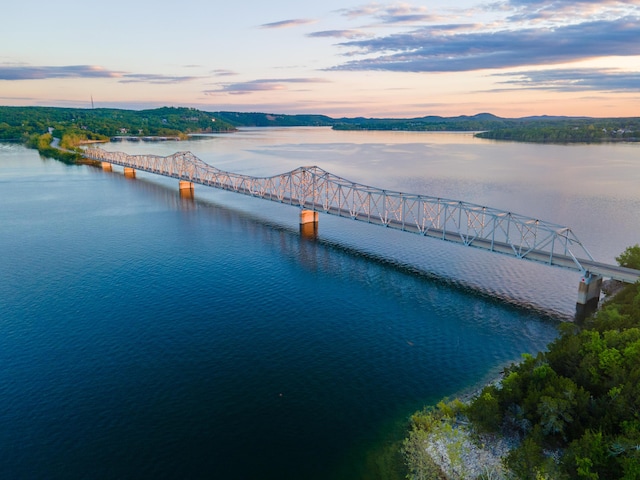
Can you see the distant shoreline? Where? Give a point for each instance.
(146, 138)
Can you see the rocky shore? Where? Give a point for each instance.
(460, 453)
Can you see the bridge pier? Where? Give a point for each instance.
(588, 294)
(129, 172)
(107, 167)
(308, 224)
(186, 189)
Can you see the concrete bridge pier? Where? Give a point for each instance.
(107, 167)
(588, 294)
(186, 189)
(129, 172)
(308, 224)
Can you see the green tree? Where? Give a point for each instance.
(630, 258)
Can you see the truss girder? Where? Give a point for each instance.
(315, 189)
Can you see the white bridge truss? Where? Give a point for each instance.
(312, 188)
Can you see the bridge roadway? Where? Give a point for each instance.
(615, 272)
(311, 188)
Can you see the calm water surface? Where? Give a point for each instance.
(147, 336)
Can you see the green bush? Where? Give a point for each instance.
(485, 410)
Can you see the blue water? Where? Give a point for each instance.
(143, 335)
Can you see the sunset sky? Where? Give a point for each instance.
(512, 58)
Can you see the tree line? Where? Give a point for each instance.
(18, 123)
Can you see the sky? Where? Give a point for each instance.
(342, 58)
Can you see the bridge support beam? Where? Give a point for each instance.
(588, 294)
(129, 172)
(107, 167)
(308, 224)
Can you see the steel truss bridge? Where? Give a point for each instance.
(311, 188)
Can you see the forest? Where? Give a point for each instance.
(19, 123)
(574, 409)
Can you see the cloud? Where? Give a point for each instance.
(338, 34)
(261, 85)
(363, 11)
(390, 14)
(555, 10)
(152, 78)
(438, 49)
(13, 72)
(287, 23)
(574, 80)
(221, 72)
(26, 72)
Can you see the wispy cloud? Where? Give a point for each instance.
(574, 80)
(361, 11)
(390, 14)
(434, 49)
(221, 72)
(568, 10)
(13, 72)
(261, 85)
(339, 34)
(296, 22)
(152, 78)
(27, 72)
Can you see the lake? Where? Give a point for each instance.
(145, 335)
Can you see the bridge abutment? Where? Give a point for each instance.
(588, 294)
(308, 224)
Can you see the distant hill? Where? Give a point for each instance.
(19, 123)
(464, 122)
(256, 119)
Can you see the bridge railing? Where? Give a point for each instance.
(315, 189)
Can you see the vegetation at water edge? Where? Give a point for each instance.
(575, 408)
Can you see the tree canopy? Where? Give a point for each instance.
(18, 123)
(576, 406)
(630, 258)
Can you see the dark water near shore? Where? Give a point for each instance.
(147, 336)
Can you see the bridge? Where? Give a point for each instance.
(314, 191)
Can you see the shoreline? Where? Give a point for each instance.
(459, 451)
